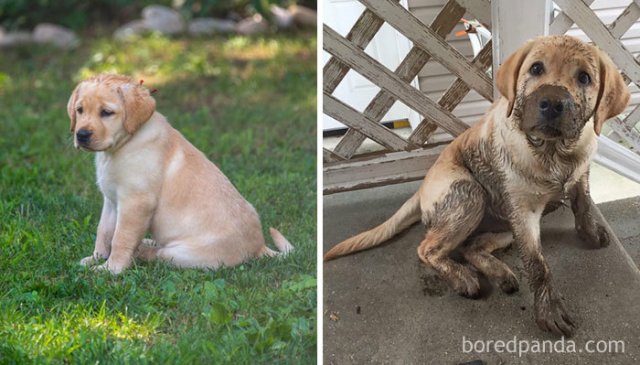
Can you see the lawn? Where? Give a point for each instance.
(250, 105)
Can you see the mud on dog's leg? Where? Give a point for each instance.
(479, 254)
(550, 312)
(449, 222)
(588, 229)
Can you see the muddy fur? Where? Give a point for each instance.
(518, 163)
(444, 234)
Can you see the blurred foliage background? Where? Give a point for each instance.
(82, 14)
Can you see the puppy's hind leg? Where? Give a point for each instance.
(147, 250)
(450, 220)
(478, 254)
(193, 254)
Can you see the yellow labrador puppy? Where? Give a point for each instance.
(530, 152)
(153, 179)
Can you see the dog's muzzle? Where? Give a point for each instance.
(549, 113)
(83, 136)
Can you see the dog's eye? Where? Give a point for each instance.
(79, 110)
(584, 78)
(536, 69)
(106, 113)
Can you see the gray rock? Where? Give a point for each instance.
(253, 25)
(304, 16)
(208, 26)
(163, 19)
(11, 39)
(55, 35)
(282, 17)
(131, 29)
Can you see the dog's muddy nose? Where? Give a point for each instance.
(551, 109)
(83, 135)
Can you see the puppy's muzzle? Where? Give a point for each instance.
(548, 113)
(551, 109)
(83, 136)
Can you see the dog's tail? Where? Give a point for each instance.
(408, 214)
(283, 245)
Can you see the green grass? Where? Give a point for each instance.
(250, 105)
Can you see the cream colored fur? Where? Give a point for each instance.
(154, 180)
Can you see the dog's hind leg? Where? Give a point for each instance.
(204, 254)
(450, 220)
(195, 254)
(147, 250)
(478, 253)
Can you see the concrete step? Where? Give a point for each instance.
(623, 216)
(384, 306)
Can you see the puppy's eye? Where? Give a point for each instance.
(106, 113)
(79, 110)
(584, 78)
(536, 69)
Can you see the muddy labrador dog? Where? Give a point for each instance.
(153, 179)
(530, 152)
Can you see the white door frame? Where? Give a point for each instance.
(509, 31)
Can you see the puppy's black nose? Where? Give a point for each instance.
(83, 135)
(551, 109)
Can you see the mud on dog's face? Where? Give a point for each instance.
(106, 109)
(554, 85)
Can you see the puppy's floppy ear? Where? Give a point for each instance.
(507, 76)
(71, 107)
(613, 93)
(139, 105)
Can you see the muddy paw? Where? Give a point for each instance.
(603, 236)
(597, 237)
(552, 316)
(509, 284)
(467, 286)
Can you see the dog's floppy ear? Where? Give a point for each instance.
(139, 105)
(71, 107)
(613, 94)
(507, 76)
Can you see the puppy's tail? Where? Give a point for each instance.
(283, 245)
(408, 214)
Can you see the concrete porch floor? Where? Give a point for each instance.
(384, 306)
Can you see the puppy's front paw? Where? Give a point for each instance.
(603, 236)
(92, 260)
(466, 283)
(113, 268)
(88, 261)
(509, 284)
(552, 316)
(597, 236)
